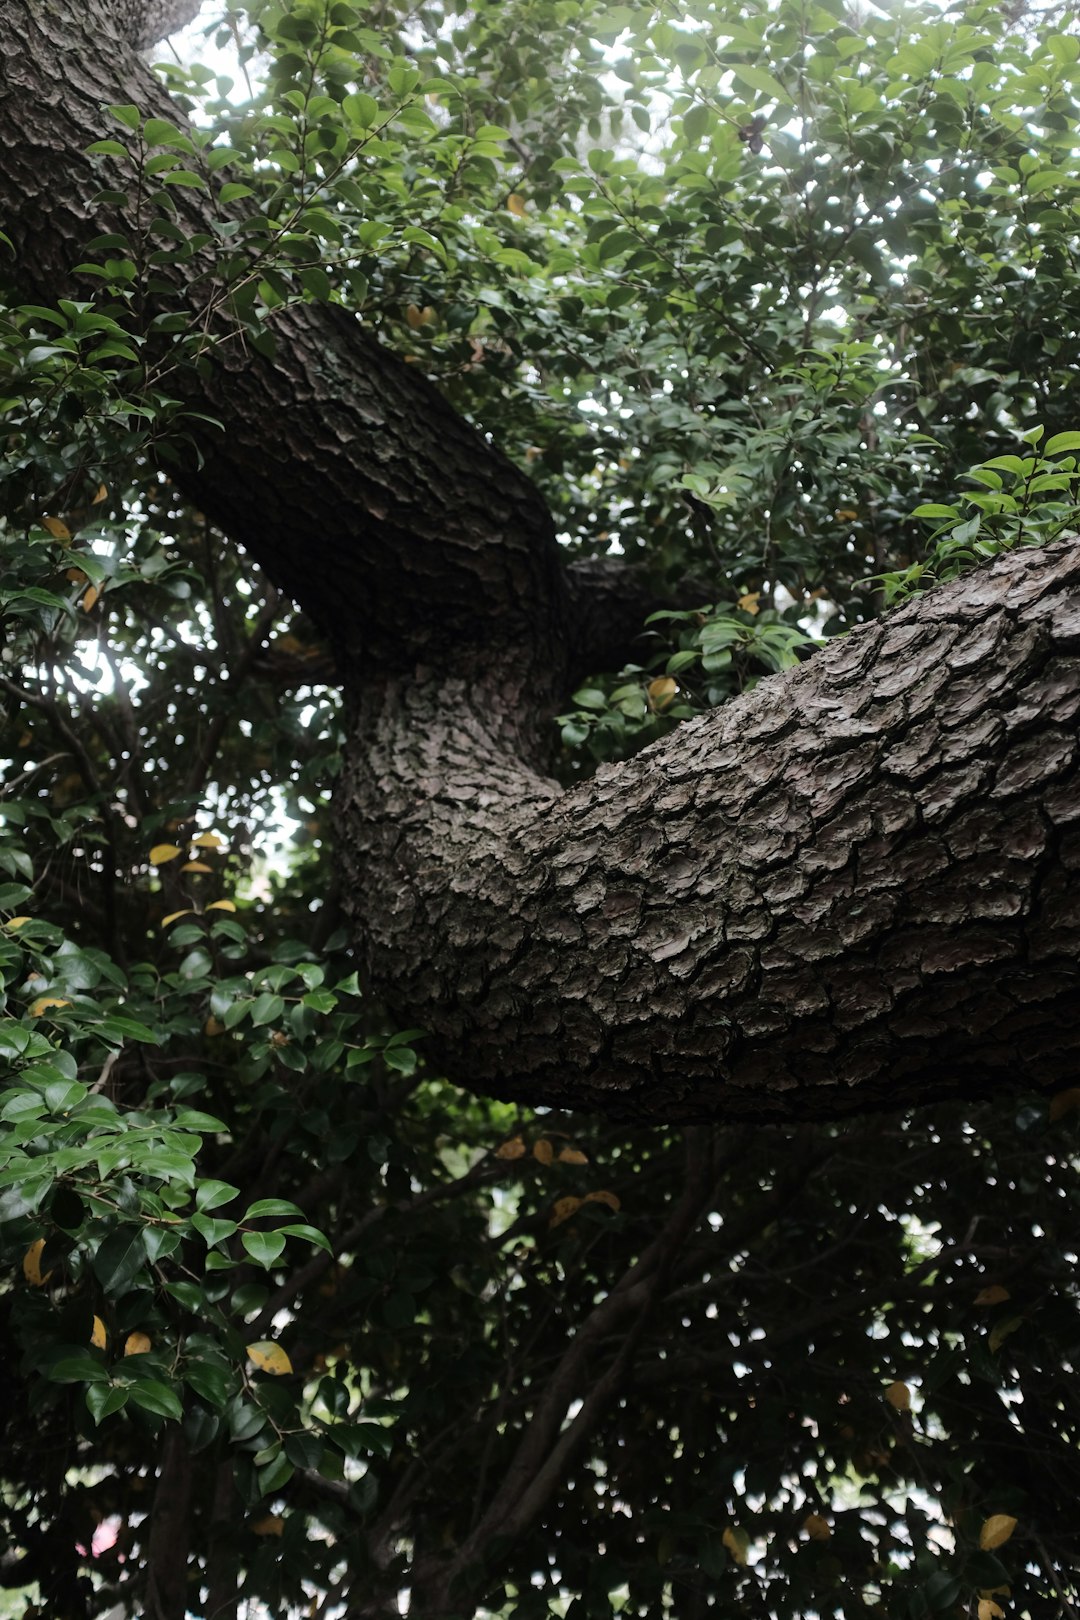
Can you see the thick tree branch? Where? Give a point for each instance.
(150, 21)
(390, 518)
(853, 887)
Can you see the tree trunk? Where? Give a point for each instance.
(854, 887)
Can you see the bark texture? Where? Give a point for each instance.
(855, 887)
(343, 471)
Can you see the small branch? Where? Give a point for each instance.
(543, 1452)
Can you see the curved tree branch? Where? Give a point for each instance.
(854, 887)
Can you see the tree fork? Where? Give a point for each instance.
(854, 887)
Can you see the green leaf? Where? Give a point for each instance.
(321, 1001)
(697, 121)
(212, 1194)
(212, 1382)
(159, 132)
(267, 1009)
(78, 1369)
(760, 79)
(275, 1475)
(119, 1259)
(1013, 464)
(213, 1229)
(263, 1247)
(1061, 441)
(310, 1234)
(102, 1399)
(190, 1119)
(361, 109)
(118, 1030)
(154, 1396)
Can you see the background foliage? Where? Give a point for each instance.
(291, 1327)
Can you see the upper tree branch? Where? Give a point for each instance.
(384, 513)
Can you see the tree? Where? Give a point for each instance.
(744, 344)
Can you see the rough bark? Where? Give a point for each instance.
(394, 521)
(855, 887)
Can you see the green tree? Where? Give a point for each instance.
(462, 399)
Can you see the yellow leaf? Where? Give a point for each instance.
(543, 1152)
(31, 1265)
(516, 204)
(269, 1357)
(196, 866)
(161, 854)
(736, 1541)
(58, 530)
(17, 922)
(514, 1149)
(418, 317)
(272, 1524)
(1066, 1102)
(662, 693)
(749, 602)
(608, 1198)
(89, 598)
(221, 905)
(996, 1531)
(562, 1209)
(995, 1591)
(899, 1397)
(136, 1344)
(846, 514)
(101, 495)
(213, 1026)
(994, 1295)
(43, 1003)
(817, 1528)
(989, 1610)
(569, 1155)
(76, 576)
(1001, 1332)
(207, 841)
(173, 915)
(98, 1337)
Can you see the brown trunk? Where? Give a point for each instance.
(853, 888)
(170, 1521)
